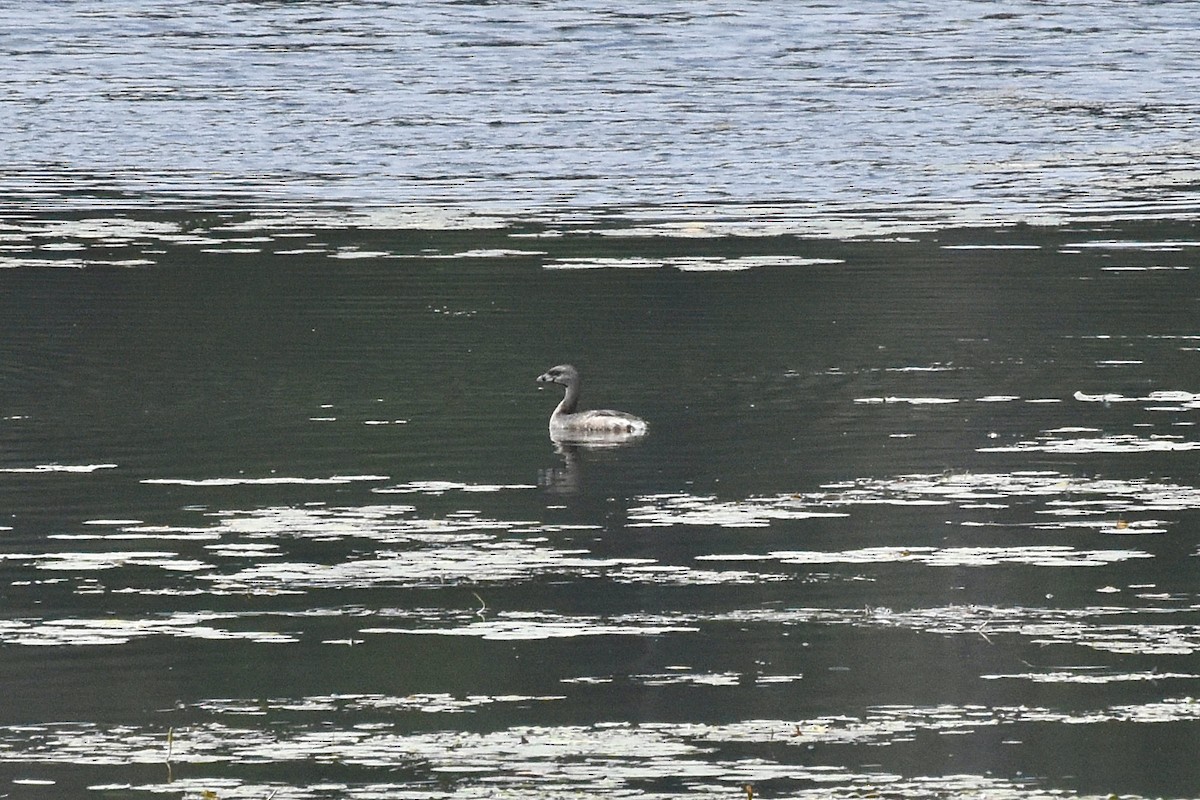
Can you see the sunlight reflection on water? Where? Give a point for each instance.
(601, 758)
(291, 480)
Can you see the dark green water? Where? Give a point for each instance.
(906, 291)
(916, 516)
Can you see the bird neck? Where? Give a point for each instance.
(570, 399)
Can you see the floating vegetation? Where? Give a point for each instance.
(1043, 556)
(1093, 676)
(1090, 627)
(481, 562)
(273, 480)
(691, 263)
(1117, 443)
(463, 540)
(612, 759)
(690, 679)
(441, 487)
(912, 401)
(18, 262)
(110, 231)
(1050, 499)
(394, 545)
(1173, 245)
(72, 468)
(78, 632)
(495, 252)
(992, 246)
(1113, 629)
(678, 575)
(519, 626)
(684, 509)
(421, 702)
(89, 562)
(1162, 400)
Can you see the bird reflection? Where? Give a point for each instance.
(567, 477)
(563, 479)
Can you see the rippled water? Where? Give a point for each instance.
(915, 516)
(917, 513)
(820, 117)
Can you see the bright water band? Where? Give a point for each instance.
(818, 118)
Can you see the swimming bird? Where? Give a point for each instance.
(598, 426)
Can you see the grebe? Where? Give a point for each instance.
(599, 426)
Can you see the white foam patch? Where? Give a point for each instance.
(1122, 443)
(70, 468)
(442, 487)
(1039, 556)
(662, 510)
(116, 631)
(991, 247)
(912, 401)
(269, 481)
(692, 263)
(495, 252)
(1134, 244)
(532, 626)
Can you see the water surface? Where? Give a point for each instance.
(814, 116)
(907, 295)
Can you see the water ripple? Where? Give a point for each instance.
(821, 120)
